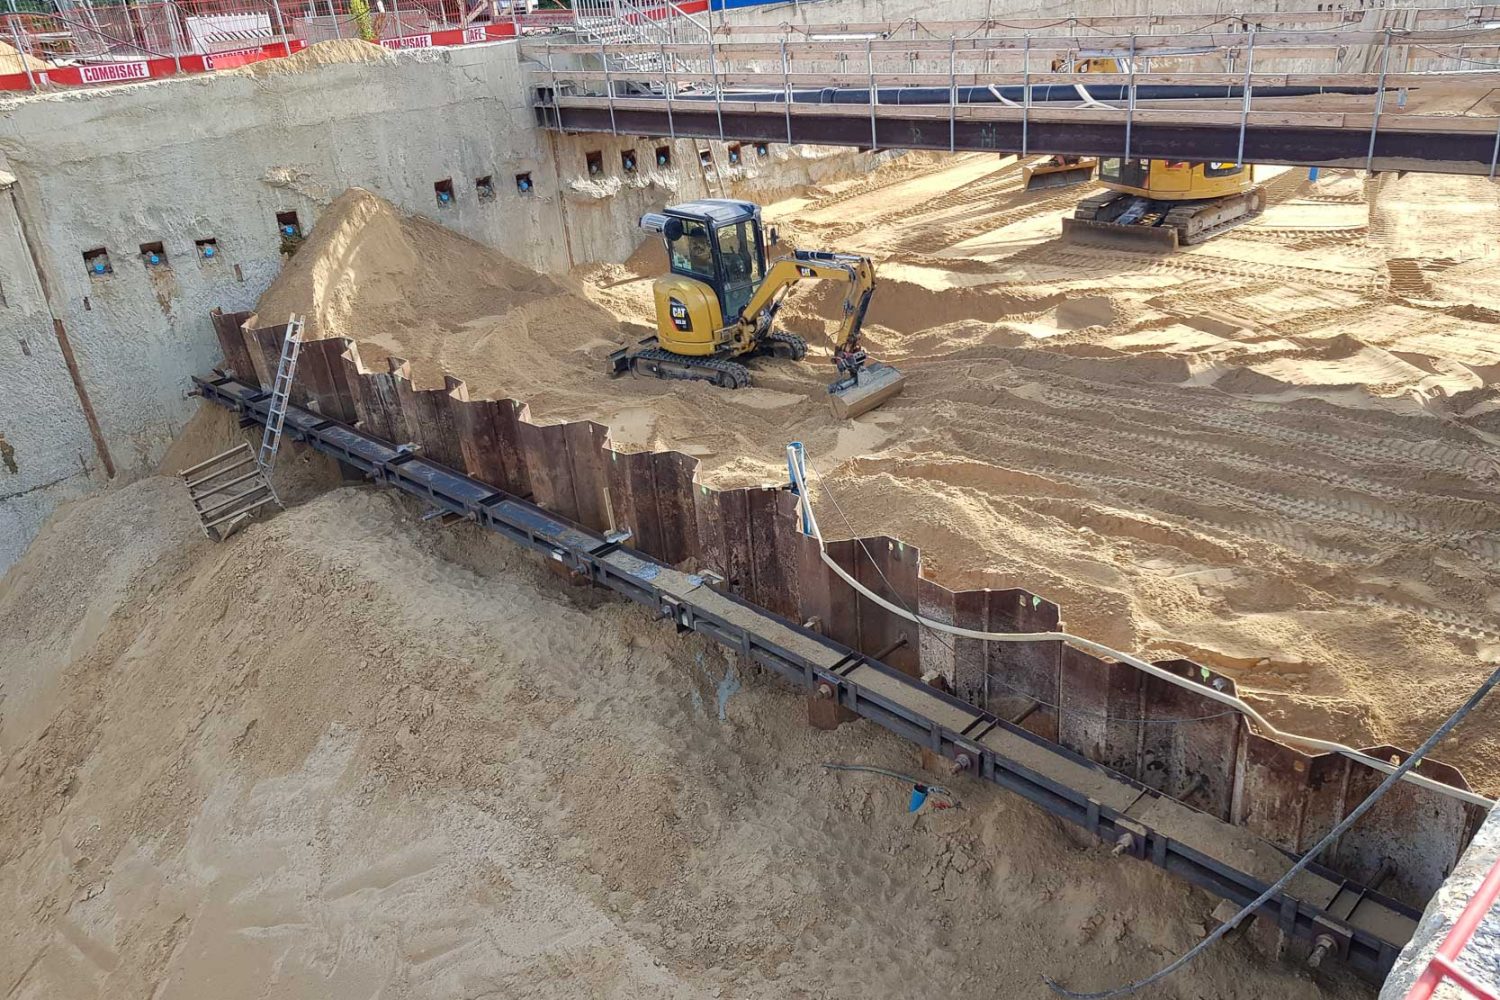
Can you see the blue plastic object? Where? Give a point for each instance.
(208, 251)
(444, 197)
(289, 230)
(918, 796)
(99, 267)
(154, 258)
(661, 159)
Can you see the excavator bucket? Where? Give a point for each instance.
(1039, 176)
(875, 384)
(1142, 239)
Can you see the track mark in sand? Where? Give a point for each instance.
(1312, 319)
(384, 874)
(985, 221)
(1002, 180)
(1187, 261)
(95, 952)
(1385, 449)
(1178, 481)
(1468, 626)
(875, 185)
(26, 972)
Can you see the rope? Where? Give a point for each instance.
(947, 643)
(1099, 649)
(1338, 831)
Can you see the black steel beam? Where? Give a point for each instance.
(1431, 151)
(811, 660)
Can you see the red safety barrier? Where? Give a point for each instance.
(1444, 965)
(148, 29)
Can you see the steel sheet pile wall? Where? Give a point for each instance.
(1157, 733)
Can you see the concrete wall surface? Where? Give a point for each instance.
(1482, 957)
(45, 451)
(218, 157)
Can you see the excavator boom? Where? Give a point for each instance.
(862, 384)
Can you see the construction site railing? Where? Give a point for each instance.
(1356, 79)
(96, 43)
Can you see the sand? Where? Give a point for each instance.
(12, 61)
(1274, 453)
(349, 754)
(326, 53)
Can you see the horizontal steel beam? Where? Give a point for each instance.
(1424, 151)
(1367, 929)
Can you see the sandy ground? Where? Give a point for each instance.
(347, 754)
(1274, 452)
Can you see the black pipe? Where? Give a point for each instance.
(1017, 94)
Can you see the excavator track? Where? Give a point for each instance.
(1202, 220)
(784, 345)
(1163, 226)
(665, 364)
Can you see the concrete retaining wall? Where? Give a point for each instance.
(218, 157)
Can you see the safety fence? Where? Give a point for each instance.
(92, 44)
(1165, 737)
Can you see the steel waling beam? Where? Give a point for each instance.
(1367, 928)
(1429, 151)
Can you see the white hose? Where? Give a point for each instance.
(1229, 700)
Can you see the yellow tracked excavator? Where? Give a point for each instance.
(1149, 204)
(717, 307)
(1164, 204)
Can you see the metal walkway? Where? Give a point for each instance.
(1381, 95)
(1367, 929)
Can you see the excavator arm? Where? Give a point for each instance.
(856, 271)
(862, 384)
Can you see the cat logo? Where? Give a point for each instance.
(679, 315)
(806, 272)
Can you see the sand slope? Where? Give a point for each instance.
(348, 754)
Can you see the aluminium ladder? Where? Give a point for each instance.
(232, 485)
(281, 394)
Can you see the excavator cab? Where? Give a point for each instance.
(714, 243)
(717, 305)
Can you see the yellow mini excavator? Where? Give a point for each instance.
(718, 305)
(1164, 204)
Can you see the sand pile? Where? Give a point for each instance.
(349, 754)
(331, 52)
(405, 286)
(12, 61)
